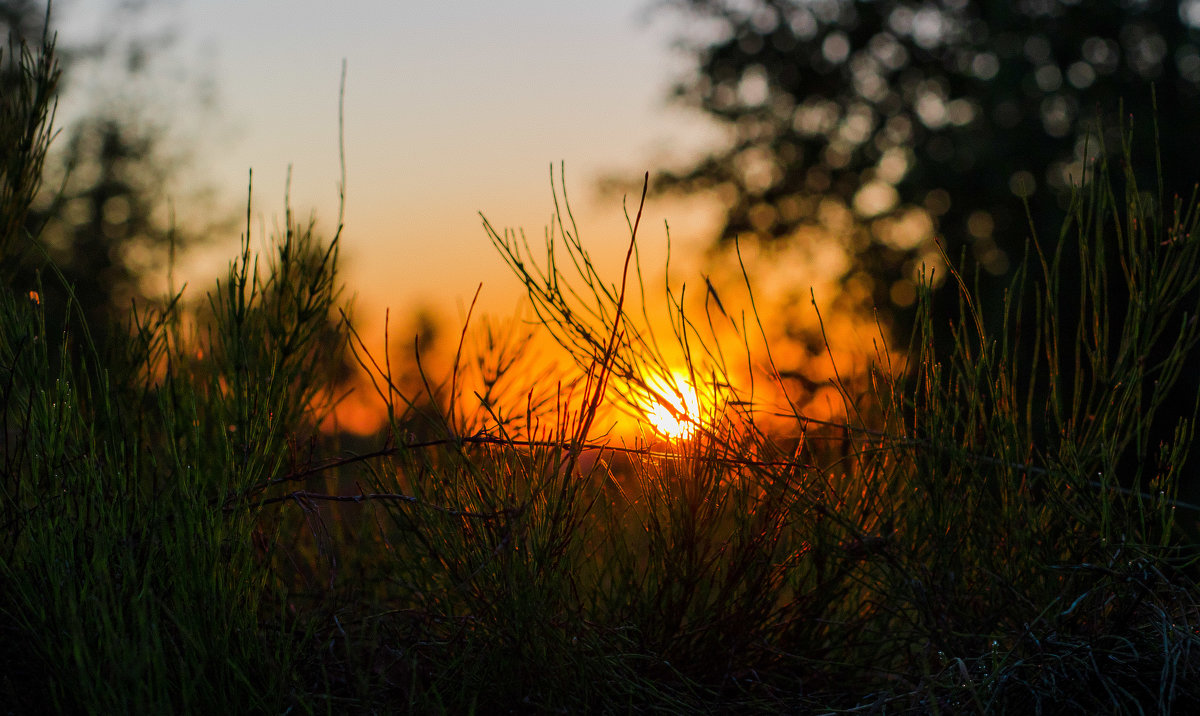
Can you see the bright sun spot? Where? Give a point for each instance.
(675, 409)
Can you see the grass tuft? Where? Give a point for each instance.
(1000, 520)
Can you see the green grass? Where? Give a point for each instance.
(995, 528)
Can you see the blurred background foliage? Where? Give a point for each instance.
(904, 120)
(103, 217)
(878, 130)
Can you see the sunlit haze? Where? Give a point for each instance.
(450, 109)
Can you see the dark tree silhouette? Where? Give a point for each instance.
(102, 216)
(106, 232)
(958, 106)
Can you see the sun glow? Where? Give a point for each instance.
(673, 408)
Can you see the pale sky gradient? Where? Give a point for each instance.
(451, 108)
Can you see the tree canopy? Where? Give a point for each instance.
(959, 108)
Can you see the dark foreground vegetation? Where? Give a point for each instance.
(999, 529)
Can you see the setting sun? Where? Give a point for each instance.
(673, 407)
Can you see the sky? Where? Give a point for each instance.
(450, 109)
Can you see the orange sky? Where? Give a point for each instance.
(451, 108)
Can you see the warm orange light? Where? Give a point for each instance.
(673, 407)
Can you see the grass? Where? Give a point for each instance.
(994, 527)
